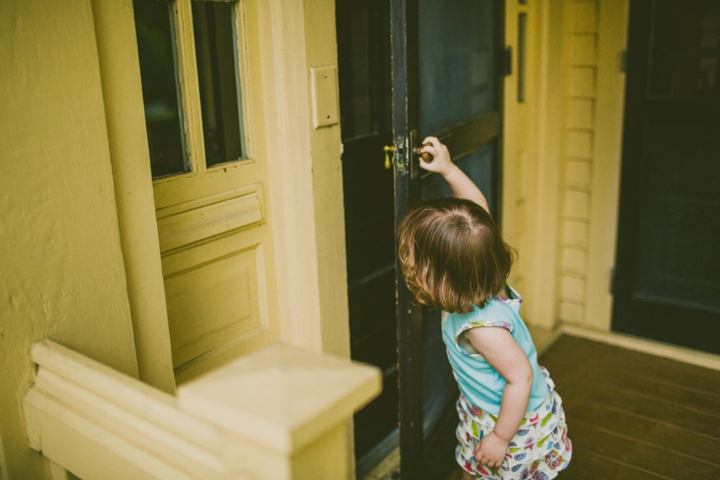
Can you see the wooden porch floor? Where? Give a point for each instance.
(636, 416)
(633, 416)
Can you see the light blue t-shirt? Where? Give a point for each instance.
(479, 382)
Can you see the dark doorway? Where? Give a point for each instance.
(667, 284)
(363, 33)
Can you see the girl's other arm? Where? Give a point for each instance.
(505, 355)
(460, 184)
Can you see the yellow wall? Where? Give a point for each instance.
(532, 163)
(62, 272)
(77, 196)
(562, 159)
(594, 37)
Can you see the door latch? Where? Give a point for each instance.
(388, 149)
(415, 154)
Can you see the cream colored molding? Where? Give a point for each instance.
(281, 396)
(276, 414)
(607, 156)
(101, 424)
(130, 158)
(543, 232)
(290, 183)
(216, 218)
(637, 344)
(327, 175)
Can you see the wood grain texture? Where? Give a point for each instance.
(632, 415)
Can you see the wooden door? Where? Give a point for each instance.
(667, 281)
(200, 73)
(446, 61)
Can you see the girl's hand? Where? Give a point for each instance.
(491, 451)
(441, 162)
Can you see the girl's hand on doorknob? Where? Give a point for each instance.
(441, 162)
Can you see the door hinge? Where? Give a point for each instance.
(612, 281)
(507, 61)
(624, 61)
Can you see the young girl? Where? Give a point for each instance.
(512, 425)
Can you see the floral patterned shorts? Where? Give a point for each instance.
(539, 451)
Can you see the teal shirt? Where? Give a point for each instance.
(479, 382)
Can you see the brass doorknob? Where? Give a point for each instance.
(389, 149)
(424, 155)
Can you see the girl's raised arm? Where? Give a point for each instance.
(460, 184)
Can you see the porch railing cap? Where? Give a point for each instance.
(281, 396)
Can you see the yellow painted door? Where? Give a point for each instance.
(201, 90)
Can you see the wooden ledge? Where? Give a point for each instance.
(276, 414)
(281, 396)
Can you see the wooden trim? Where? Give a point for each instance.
(240, 210)
(405, 119)
(190, 89)
(465, 138)
(605, 184)
(498, 181)
(659, 349)
(99, 423)
(289, 163)
(130, 160)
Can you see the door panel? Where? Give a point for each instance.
(668, 263)
(214, 294)
(216, 248)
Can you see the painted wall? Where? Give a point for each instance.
(595, 37)
(562, 159)
(532, 161)
(61, 268)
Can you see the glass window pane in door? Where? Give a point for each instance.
(456, 62)
(161, 95)
(219, 79)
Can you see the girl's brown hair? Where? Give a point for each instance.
(452, 254)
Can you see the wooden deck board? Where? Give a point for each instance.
(662, 434)
(635, 416)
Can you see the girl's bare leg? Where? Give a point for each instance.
(467, 476)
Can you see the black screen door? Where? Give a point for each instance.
(667, 283)
(446, 59)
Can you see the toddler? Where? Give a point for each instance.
(512, 425)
